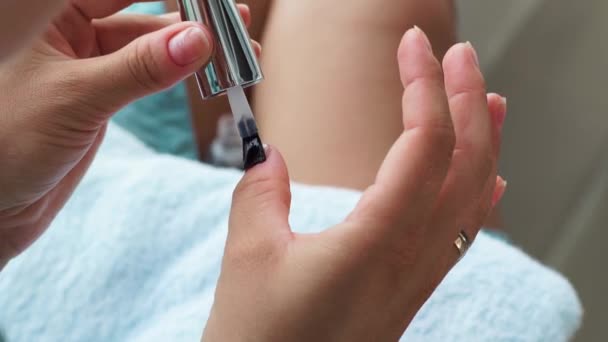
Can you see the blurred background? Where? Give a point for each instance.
(550, 58)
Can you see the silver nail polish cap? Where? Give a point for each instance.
(233, 62)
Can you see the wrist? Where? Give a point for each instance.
(6, 253)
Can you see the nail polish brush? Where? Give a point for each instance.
(233, 67)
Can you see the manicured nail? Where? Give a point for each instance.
(189, 46)
(257, 47)
(473, 54)
(502, 115)
(424, 37)
(499, 191)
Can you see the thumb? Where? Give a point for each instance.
(261, 201)
(147, 65)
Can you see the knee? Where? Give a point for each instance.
(381, 19)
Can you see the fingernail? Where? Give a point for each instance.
(189, 46)
(267, 149)
(502, 115)
(473, 54)
(257, 47)
(424, 37)
(499, 191)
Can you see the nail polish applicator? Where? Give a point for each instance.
(232, 68)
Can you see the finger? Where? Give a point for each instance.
(495, 185)
(257, 48)
(497, 106)
(95, 9)
(32, 221)
(499, 191)
(115, 32)
(245, 13)
(147, 65)
(465, 200)
(411, 176)
(261, 201)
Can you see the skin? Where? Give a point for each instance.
(366, 278)
(348, 95)
(60, 93)
(21, 21)
(387, 256)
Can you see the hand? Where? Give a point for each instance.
(366, 278)
(21, 20)
(58, 97)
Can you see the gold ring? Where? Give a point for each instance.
(462, 244)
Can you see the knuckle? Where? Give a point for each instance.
(260, 190)
(471, 94)
(70, 99)
(425, 81)
(430, 75)
(439, 136)
(143, 68)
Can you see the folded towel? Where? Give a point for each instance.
(136, 254)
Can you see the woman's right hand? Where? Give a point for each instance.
(366, 278)
(58, 96)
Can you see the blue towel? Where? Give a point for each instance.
(161, 121)
(136, 254)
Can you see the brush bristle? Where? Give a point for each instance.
(253, 151)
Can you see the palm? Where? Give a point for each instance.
(67, 129)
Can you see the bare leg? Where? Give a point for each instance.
(331, 101)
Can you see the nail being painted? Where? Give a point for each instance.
(253, 148)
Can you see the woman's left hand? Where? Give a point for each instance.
(58, 96)
(365, 278)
